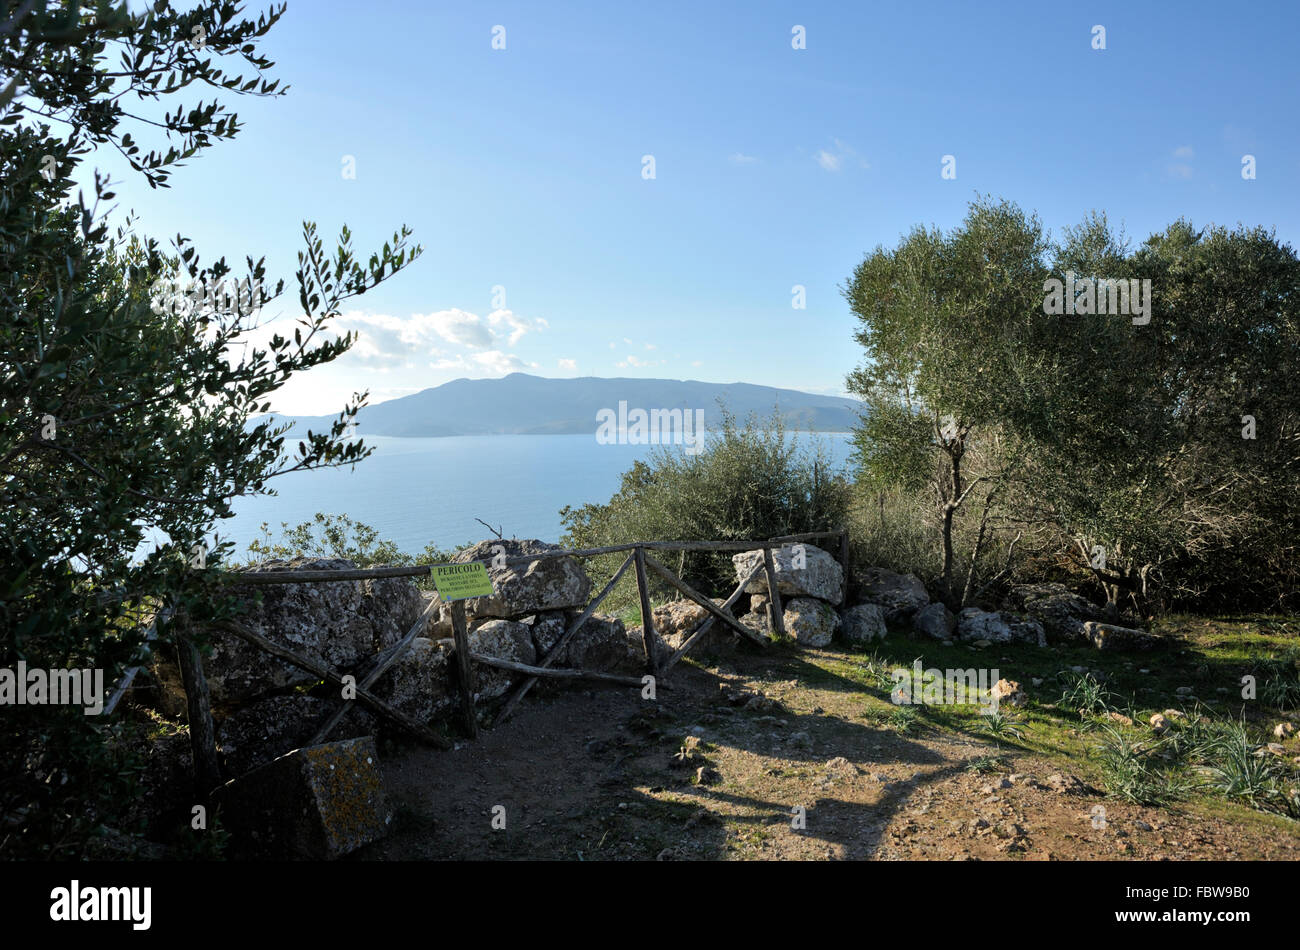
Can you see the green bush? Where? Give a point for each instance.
(750, 481)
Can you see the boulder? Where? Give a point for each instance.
(863, 623)
(675, 621)
(547, 628)
(600, 645)
(1027, 631)
(276, 725)
(507, 640)
(1009, 692)
(812, 622)
(522, 589)
(935, 620)
(1061, 611)
(819, 576)
(420, 683)
(338, 624)
(316, 804)
(900, 595)
(974, 624)
(1105, 636)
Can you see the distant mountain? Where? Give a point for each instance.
(520, 404)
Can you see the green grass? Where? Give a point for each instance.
(1208, 759)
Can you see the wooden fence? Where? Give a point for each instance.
(639, 559)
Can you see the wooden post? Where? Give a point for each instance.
(557, 649)
(692, 594)
(371, 701)
(647, 623)
(775, 614)
(382, 663)
(203, 738)
(464, 667)
(710, 620)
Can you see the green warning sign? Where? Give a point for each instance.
(461, 581)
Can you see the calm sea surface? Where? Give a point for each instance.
(417, 491)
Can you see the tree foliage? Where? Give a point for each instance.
(1116, 442)
(126, 406)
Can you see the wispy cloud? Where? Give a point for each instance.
(1181, 168)
(835, 158)
(383, 340)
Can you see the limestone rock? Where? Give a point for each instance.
(522, 589)
(1105, 636)
(1061, 611)
(1009, 692)
(900, 595)
(863, 623)
(276, 725)
(974, 624)
(339, 624)
(675, 621)
(820, 576)
(507, 640)
(935, 620)
(811, 622)
(420, 683)
(317, 803)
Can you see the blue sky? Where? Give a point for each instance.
(774, 167)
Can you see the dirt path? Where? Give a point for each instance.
(597, 775)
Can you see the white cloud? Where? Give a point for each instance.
(832, 160)
(740, 158)
(455, 326)
(495, 361)
(518, 325)
(828, 161)
(1180, 168)
(384, 341)
(640, 363)
(570, 365)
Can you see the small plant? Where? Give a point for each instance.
(985, 764)
(1000, 726)
(1085, 693)
(905, 719)
(1238, 771)
(1134, 771)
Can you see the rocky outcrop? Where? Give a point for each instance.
(899, 595)
(816, 574)
(507, 640)
(863, 623)
(936, 621)
(552, 583)
(1105, 636)
(675, 622)
(276, 725)
(1061, 611)
(975, 625)
(338, 624)
(811, 622)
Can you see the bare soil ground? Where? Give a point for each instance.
(601, 775)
